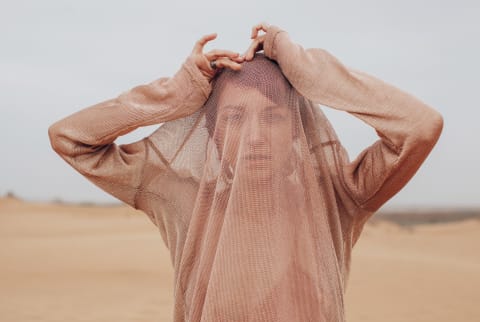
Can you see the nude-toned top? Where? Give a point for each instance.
(265, 238)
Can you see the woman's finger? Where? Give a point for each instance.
(228, 63)
(261, 26)
(252, 49)
(215, 53)
(202, 41)
(239, 58)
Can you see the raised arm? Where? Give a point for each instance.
(86, 138)
(407, 127)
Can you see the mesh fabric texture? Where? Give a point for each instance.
(250, 188)
(258, 214)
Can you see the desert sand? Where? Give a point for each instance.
(71, 263)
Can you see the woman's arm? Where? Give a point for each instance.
(408, 128)
(86, 138)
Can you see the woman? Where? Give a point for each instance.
(250, 188)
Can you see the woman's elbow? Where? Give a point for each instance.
(53, 135)
(58, 139)
(430, 132)
(436, 127)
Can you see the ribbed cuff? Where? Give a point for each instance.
(268, 44)
(197, 77)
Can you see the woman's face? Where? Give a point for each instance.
(253, 132)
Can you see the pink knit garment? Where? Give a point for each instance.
(250, 188)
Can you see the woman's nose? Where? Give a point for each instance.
(257, 131)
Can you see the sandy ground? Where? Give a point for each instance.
(72, 263)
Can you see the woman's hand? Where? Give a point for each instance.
(223, 58)
(257, 43)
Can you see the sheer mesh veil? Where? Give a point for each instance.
(243, 179)
(251, 190)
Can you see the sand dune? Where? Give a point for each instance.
(73, 263)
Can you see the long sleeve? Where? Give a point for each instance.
(407, 128)
(86, 138)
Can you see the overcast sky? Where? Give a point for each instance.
(61, 56)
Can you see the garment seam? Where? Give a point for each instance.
(159, 154)
(344, 185)
(394, 164)
(362, 204)
(142, 174)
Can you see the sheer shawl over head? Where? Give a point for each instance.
(244, 202)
